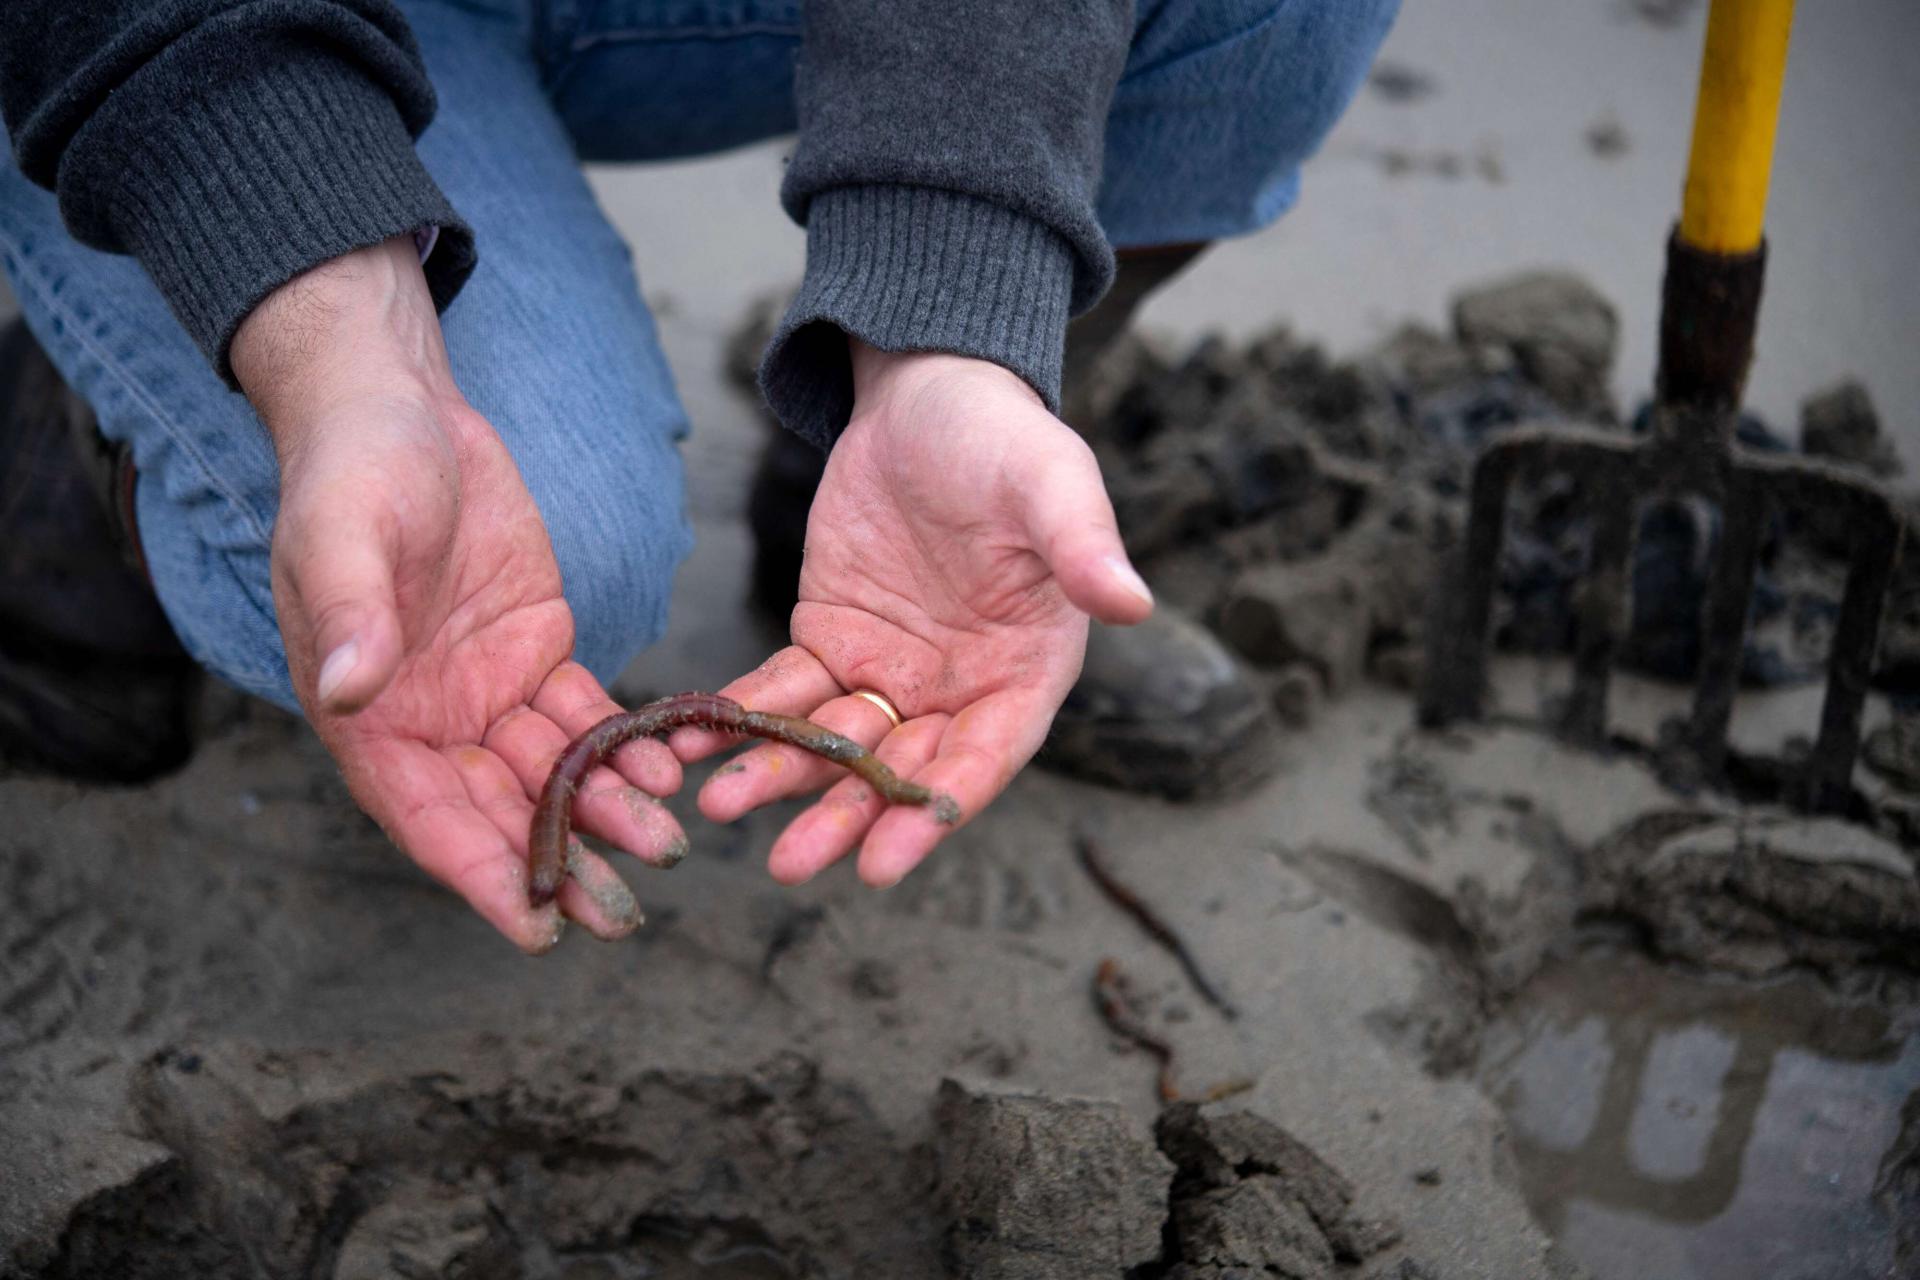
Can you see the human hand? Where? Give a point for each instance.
(420, 603)
(960, 538)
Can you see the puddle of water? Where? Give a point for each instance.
(1675, 1127)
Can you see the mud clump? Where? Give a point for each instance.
(1256, 489)
(1757, 895)
(1841, 423)
(1897, 1187)
(1251, 1200)
(1045, 1188)
(1558, 327)
(1333, 614)
(1893, 750)
(1056, 1189)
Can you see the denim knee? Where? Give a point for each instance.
(619, 536)
(209, 553)
(597, 443)
(1220, 103)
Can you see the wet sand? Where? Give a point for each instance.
(239, 1034)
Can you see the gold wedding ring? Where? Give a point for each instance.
(880, 700)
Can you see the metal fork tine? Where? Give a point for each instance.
(1723, 618)
(1619, 474)
(1876, 546)
(1456, 679)
(1603, 605)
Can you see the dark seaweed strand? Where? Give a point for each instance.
(1094, 860)
(1110, 999)
(553, 816)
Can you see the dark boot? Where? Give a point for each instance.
(1138, 273)
(784, 483)
(93, 683)
(1163, 708)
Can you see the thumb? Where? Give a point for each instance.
(341, 587)
(1071, 522)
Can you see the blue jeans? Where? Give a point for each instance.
(550, 341)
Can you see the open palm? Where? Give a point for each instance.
(428, 639)
(960, 538)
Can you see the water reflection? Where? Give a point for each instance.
(1667, 1126)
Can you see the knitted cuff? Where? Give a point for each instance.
(915, 269)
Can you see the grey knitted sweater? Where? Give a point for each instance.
(948, 156)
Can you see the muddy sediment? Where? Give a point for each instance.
(240, 1035)
(544, 1174)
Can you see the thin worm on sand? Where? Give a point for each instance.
(553, 816)
(1094, 859)
(1113, 998)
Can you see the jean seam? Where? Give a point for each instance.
(32, 279)
(130, 386)
(580, 45)
(638, 35)
(1207, 48)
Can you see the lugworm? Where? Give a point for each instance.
(553, 816)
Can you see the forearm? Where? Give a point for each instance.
(228, 145)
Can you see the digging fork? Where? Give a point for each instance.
(1710, 301)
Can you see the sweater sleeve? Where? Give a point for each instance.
(948, 160)
(228, 145)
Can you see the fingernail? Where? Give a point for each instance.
(338, 666)
(673, 854)
(1126, 576)
(653, 815)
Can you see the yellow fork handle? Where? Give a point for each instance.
(1725, 207)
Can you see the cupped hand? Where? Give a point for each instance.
(420, 602)
(958, 543)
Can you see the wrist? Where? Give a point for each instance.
(882, 375)
(360, 326)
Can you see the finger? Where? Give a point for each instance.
(341, 586)
(775, 771)
(790, 683)
(827, 831)
(623, 815)
(574, 700)
(593, 892)
(1070, 520)
(422, 803)
(982, 749)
